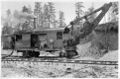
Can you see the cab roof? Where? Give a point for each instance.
(39, 31)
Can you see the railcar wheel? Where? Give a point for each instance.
(25, 54)
(28, 54)
(62, 54)
(71, 53)
(36, 54)
(31, 54)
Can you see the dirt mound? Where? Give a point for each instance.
(86, 50)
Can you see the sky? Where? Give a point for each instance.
(67, 7)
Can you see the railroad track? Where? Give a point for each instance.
(59, 60)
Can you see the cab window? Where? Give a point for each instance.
(59, 35)
(18, 37)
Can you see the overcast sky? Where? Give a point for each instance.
(67, 7)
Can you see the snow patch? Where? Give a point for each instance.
(110, 56)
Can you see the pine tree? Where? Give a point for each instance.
(79, 11)
(7, 24)
(114, 12)
(61, 19)
(115, 7)
(8, 12)
(38, 14)
(46, 16)
(16, 20)
(9, 17)
(29, 9)
(51, 14)
(25, 9)
(27, 21)
(91, 17)
(31, 25)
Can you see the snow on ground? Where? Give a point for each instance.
(42, 53)
(53, 71)
(110, 56)
(47, 71)
(7, 52)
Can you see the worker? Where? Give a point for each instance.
(12, 42)
(51, 41)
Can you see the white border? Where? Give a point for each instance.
(61, 1)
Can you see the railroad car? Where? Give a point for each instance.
(30, 43)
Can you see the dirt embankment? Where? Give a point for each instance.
(95, 44)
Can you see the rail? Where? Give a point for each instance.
(59, 60)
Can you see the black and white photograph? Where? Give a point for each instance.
(59, 39)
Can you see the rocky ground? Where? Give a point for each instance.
(48, 71)
(54, 72)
